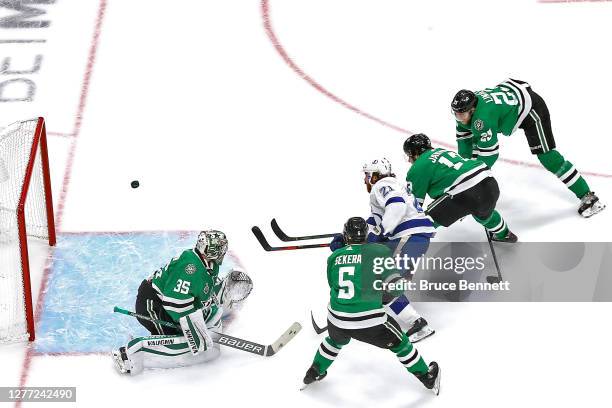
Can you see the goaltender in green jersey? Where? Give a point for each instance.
(188, 292)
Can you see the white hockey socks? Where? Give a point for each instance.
(401, 309)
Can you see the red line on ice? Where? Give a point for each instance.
(30, 353)
(279, 48)
(265, 12)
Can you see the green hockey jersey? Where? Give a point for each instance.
(355, 296)
(498, 110)
(439, 171)
(186, 284)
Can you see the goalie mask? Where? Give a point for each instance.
(212, 244)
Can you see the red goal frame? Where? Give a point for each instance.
(39, 142)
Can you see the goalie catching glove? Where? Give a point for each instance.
(237, 286)
(196, 333)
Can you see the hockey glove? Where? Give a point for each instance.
(337, 242)
(195, 331)
(373, 238)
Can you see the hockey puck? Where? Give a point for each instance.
(135, 184)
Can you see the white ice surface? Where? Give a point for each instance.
(193, 101)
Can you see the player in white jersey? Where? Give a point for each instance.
(396, 214)
(398, 221)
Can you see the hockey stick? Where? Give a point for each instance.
(318, 329)
(286, 238)
(498, 278)
(264, 243)
(230, 341)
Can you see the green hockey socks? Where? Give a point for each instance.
(327, 353)
(565, 171)
(409, 357)
(495, 224)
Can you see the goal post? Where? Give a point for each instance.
(26, 211)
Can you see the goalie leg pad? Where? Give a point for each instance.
(195, 331)
(164, 352)
(121, 360)
(214, 320)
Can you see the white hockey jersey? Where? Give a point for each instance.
(396, 212)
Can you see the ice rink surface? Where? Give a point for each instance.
(231, 113)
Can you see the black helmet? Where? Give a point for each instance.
(355, 231)
(463, 101)
(415, 145)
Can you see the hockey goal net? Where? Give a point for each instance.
(26, 212)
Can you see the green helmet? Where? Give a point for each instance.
(212, 244)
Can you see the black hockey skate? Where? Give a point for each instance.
(419, 330)
(590, 205)
(510, 237)
(431, 379)
(312, 375)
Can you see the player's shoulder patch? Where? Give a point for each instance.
(190, 269)
(478, 124)
(206, 289)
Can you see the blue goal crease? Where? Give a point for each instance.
(92, 273)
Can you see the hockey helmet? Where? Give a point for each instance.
(382, 167)
(416, 144)
(355, 231)
(463, 101)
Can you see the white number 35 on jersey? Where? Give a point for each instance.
(182, 286)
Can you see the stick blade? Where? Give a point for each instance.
(279, 232)
(316, 328)
(261, 238)
(285, 338)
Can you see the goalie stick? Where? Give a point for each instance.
(230, 341)
(286, 238)
(265, 245)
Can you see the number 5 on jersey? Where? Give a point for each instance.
(347, 289)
